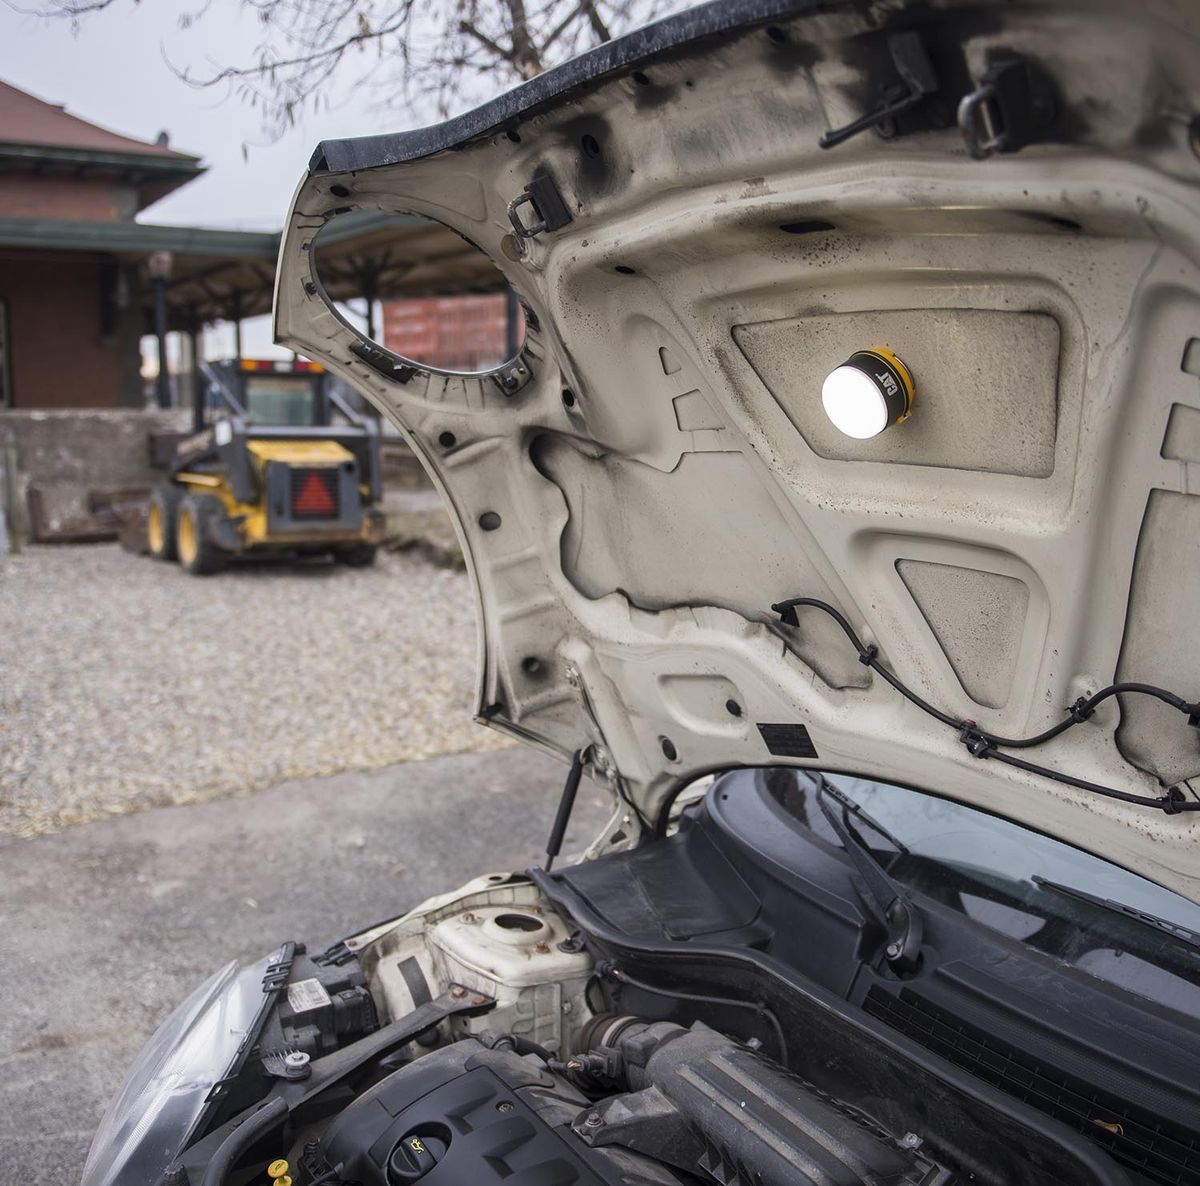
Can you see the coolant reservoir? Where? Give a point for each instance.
(502, 939)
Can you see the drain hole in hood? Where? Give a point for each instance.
(808, 226)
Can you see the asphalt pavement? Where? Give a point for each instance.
(105, 926)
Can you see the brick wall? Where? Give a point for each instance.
(69, 344)
(22, 196)
(460, 333)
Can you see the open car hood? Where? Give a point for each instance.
(656, 469)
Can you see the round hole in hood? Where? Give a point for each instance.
(418, 289)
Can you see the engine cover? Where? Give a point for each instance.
(466, 1114)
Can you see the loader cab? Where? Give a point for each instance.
(274, 393)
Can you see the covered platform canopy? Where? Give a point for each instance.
(227, 275)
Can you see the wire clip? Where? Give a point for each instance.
(1172, 802)
(977, 745)
(1081, 710)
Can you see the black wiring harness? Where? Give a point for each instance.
(605, 969)
(982, 744)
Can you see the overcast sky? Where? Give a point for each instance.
(114, 72)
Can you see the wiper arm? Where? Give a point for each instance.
(852, 805)
(885, 896)
(1188, 937)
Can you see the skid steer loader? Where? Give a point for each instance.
(281, 465)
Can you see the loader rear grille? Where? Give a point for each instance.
(313, 493)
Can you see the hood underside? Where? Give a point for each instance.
(656, 470)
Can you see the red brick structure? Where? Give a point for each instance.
(458, 333)
(69, 343)
(70, 320)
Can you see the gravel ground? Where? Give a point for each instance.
(127, 684)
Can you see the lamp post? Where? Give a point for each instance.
(159, 266)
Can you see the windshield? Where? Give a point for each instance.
(985, 867)
(285, 400)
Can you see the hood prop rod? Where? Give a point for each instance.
(982, 744)
(566, 803)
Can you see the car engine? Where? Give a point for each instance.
(481, 1038)
(542, 1089)
(694, 1103)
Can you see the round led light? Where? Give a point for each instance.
(869, 392)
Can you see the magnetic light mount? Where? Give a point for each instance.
(870, 391)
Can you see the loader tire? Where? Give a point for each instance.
(198, 551)
(160, 521)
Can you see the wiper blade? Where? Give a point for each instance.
(824, 786)
(1186, 936)
(890, 903)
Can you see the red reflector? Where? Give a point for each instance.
(315, 495)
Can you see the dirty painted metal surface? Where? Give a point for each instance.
(653, 472)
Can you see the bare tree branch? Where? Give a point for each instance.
(501, 54)
(572, 16)
(450, 53)
(598, 26)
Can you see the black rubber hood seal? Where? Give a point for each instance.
(717, 18)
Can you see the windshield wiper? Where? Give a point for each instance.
(824, 786)
(884, 896)
(1188, 937)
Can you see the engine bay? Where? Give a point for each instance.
(687, 1105)
(720, 1005)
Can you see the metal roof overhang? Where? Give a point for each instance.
(40, 157)
(152, 174)
(398, 255)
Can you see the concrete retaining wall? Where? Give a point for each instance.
(64, 455)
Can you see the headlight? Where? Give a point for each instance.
(156, 1109)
